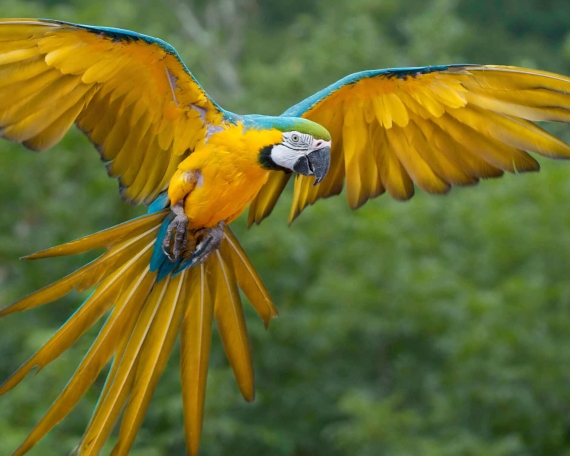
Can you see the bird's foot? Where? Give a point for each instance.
(210, 240)
(174, 246)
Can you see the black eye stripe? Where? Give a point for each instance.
(267, 161)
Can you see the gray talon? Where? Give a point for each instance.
(175, 250)
(211, 241)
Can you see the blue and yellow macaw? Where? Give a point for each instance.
(198, 167)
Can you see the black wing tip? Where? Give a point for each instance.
(123, 189)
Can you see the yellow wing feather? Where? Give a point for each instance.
(265, 200)
(131, 96)
(435, 127)
(392, 174)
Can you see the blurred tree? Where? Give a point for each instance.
(435, 327)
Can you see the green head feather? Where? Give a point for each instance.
(287, 124)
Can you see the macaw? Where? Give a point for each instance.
(198, 167)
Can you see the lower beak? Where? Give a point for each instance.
(316, 164)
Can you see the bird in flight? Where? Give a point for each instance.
(197, 167)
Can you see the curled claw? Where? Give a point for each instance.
(175, 246)
(211, 239)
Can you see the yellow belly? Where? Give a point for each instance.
(229, 175)
(221, 197)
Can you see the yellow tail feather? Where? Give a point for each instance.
(194, 357)
(230, 320)
(144, 319)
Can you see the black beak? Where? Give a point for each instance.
(314, 164)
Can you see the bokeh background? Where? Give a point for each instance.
(436, 327)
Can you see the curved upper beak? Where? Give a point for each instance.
(315, 163)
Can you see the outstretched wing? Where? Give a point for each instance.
(434, 127)
(131, 94)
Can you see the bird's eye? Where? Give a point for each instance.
(295, 138)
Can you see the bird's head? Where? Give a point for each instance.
(304, 147)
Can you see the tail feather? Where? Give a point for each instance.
(122, 383)
(87, 276)
(94, 307)
(155, 352)
(120, 332)
(145, 315)
(102, 239)
(247, 278)
(195, 345)
(96, 358)
(230, 320)
(98, 430)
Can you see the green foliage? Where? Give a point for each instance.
(436, 327)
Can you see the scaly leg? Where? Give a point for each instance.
(180, 224)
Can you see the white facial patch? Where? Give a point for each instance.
(294, 146)
(285, 156)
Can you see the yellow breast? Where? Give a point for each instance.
(230, 175)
